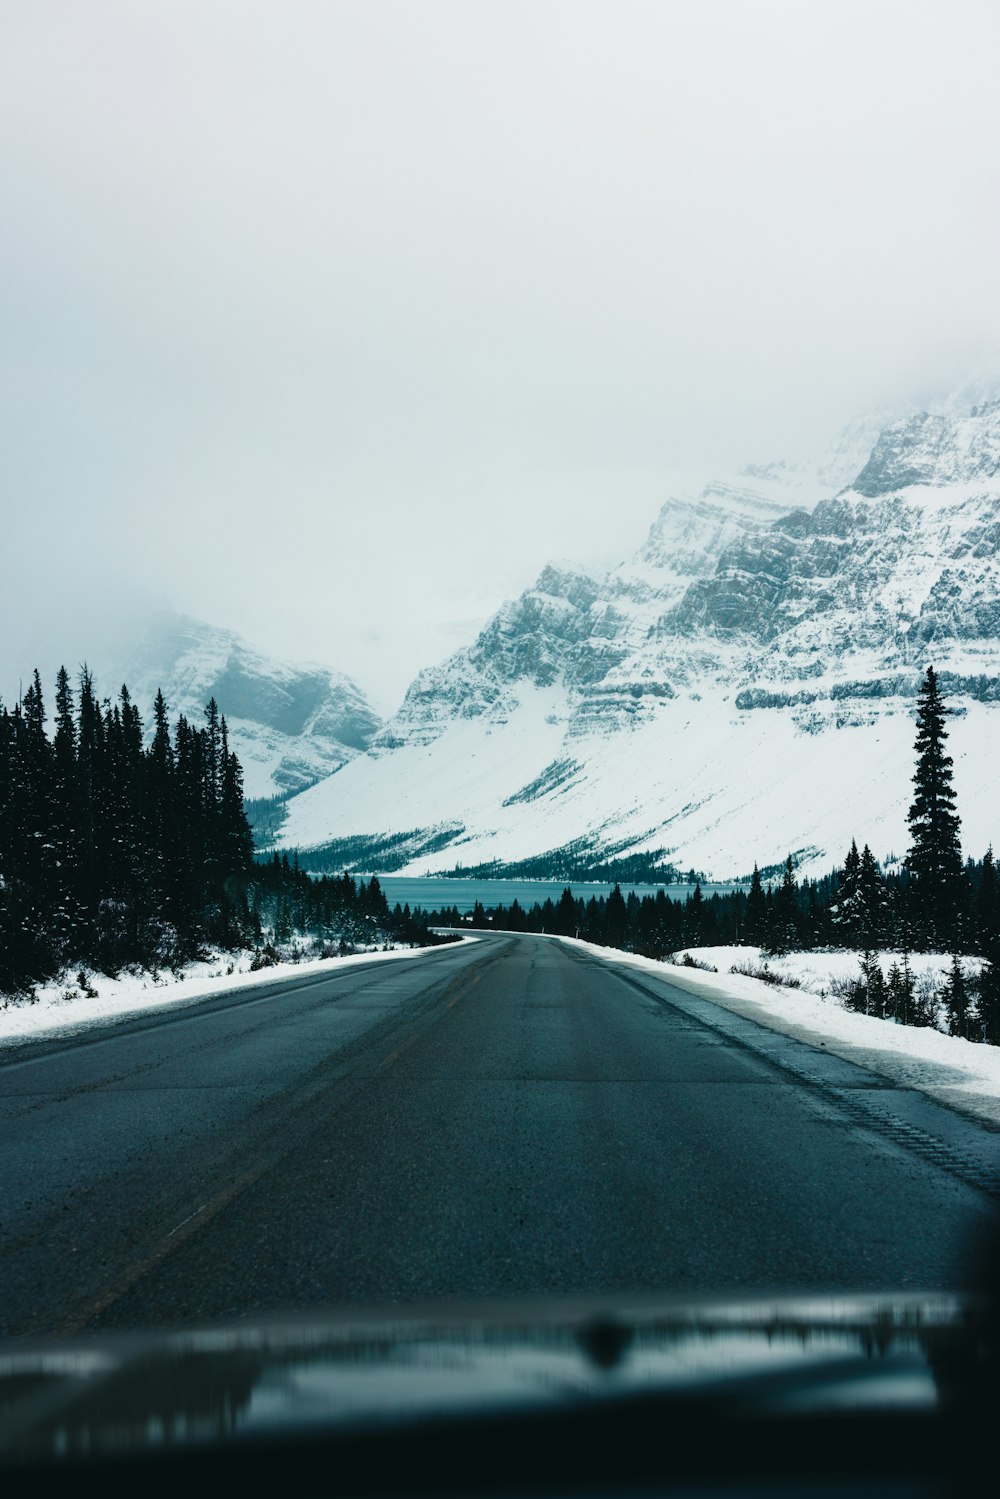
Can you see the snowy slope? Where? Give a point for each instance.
(742, 688)
(290, 725)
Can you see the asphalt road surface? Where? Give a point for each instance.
(508, 1117)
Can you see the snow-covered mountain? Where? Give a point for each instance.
(741, 688)
(290, 725)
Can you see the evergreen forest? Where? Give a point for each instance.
(123, 850)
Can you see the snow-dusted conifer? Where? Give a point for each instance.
(756, 914)
(844, 912)
(956, 1001)
(935, 855)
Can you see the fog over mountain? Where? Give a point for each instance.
(331, 324)
(290, 724)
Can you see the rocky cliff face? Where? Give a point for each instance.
(934, 450)
(291, 726)
(904, 559)
(741, 688)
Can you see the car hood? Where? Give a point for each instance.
(369, 1372)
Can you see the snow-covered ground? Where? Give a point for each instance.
(965, 1075)
(700, 776)
(61, 1007)
(821, 972)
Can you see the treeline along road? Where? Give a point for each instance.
(506, 1116)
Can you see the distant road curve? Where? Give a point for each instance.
(508, 1117)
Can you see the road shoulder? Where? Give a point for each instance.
(963, 1075)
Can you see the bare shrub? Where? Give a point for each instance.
(767, 975)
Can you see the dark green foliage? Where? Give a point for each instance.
(341, 914)
(987, 899)
(578, 861)
(755, 931)
(956, 1002)
(844, 911)
(784, 926)
(989, 996)
(373, 854)
(112, 853)
(266, 815)
(860, 912)
(872, 902)
(901, 1001)
(875, 984)
(869, 993)
(935, 856)
(566, 915)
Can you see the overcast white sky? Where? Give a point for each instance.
(332, 322)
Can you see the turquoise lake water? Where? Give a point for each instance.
(431, 894)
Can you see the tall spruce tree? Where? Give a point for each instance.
(989, 995)
(935, 855)
(756, 913)
(956, 1000)
(786, 926)
(872, 901)
(65, 822)
(844, 912)
(987, 903)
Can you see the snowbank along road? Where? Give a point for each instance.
(509, 1116)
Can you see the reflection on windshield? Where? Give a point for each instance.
(135, 1394)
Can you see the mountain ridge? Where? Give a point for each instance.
(771, 598)
(291, 725)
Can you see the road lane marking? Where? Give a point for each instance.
(398, 1052)
(178, 1235)
(94, 1306)
(190, 1217)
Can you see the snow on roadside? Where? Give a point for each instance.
(61, 1008)
(964, 1075)
(817, 972)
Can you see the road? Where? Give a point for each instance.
(508, 1117)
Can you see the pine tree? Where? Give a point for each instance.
(895, 990)
(935, 856)
(907, 1012)
(956, 1001)
(756, 916)
(694, 917)
(987, 904)
(236, 844)
(785, 926)
(615, 919)
(872, 902)
(844, 912)
(875, 985)
(989, 995)
(11, 814)
(567, 923)
(66, 818)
